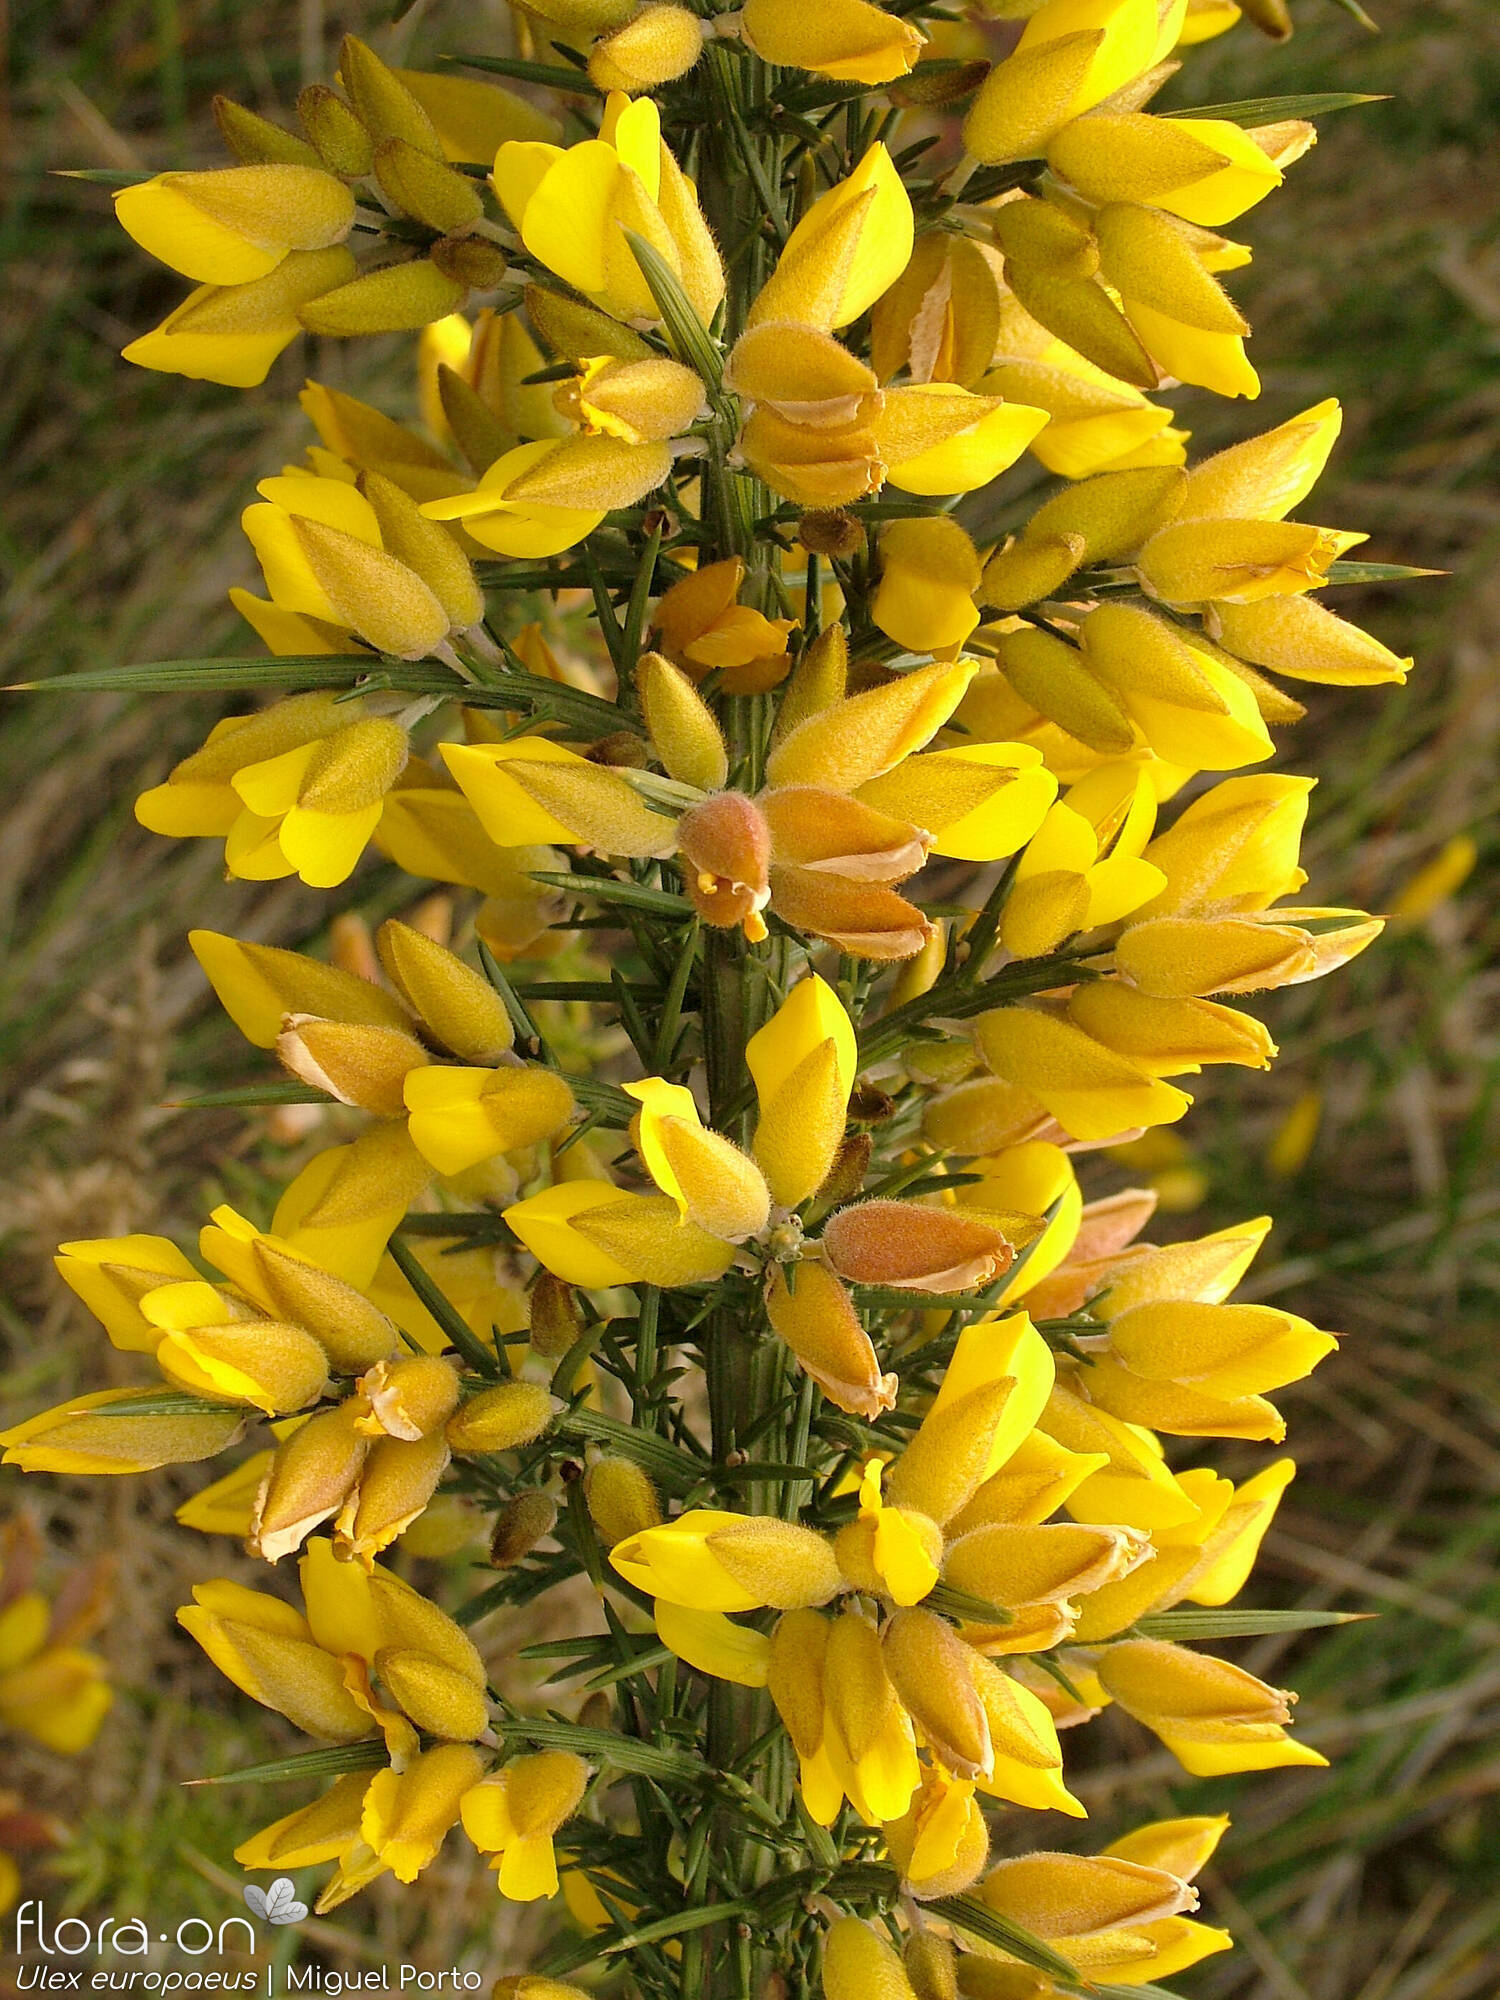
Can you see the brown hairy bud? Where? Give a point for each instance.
(829, 531)
(918, 1249)
(727, 846)
(520, 1525)
(554, 1319)
(942, 81)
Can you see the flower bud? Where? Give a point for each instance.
(929, 1668)
(521, 1523)
(683, 730)
(499, 1419)
(436, 1697)
(815, 1316)
(621, 1500)
(425, 189)
(340, 140)
(460, 1009)
(553, 1317)
(311, 1475)
(915, 1248)
(825, 531)
(931, 1966)
(399, 298)
(580, 332)
(1028, 569)
(255, 141)
(470, 261)
(382, 102)
(354, 1333)
(856, 740)
(858, 1964)
(658, 45)
(727, 847)
(409, 1398)
(356, 1065)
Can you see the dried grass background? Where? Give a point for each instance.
(1378, 277)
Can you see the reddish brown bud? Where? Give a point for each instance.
(918, 1249)
(727, 846)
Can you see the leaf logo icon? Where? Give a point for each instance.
(278, 1904)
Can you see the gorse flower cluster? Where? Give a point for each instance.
(711, 1212)
(53, 1691)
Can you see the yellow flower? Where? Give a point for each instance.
(232, 333)
(1205, 170)
(100, 1433)
(233, 225)
(51, 1688)
(1214, 1718)
(849, 248)
(711, 1560)
(1098, 1910)
(369, 1652)
(544, 497)
(573, 207)
(1071, 56)
(514, 1814)
(849, 40)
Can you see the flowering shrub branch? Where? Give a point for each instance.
(898, 863)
